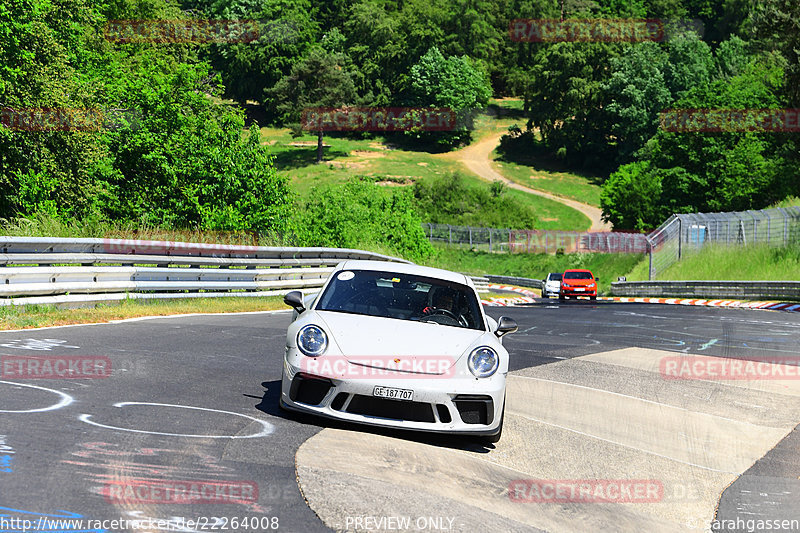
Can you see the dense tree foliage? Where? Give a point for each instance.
(361, 214)
(171, 152)
(176, 159)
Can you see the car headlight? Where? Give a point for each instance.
(591, 285)
(483, 362)
(312, 341)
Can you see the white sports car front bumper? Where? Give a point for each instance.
(459, 404)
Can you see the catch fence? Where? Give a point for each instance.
(686, 233)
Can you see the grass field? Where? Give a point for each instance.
(754, 263)
(565, 184)
(404, 164)
(37, 316)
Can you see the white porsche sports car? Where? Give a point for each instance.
(397, 345)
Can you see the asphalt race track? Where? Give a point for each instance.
(179, 429)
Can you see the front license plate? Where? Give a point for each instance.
(393, 394)
(579, 290)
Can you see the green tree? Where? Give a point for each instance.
(776, 26)
(319, 81)
(286, 34)
(375, 42)
(731, 58)
(630, 197)
(690, 63)
(453, 83)
(565, 101)
(638, 92)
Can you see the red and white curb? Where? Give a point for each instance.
(739, 304)
(527, 298)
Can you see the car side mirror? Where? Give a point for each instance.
(505, 326)
(294, 299)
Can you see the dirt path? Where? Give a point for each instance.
(477, 158)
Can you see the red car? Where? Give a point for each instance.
(576, 282)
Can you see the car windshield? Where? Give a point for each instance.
(577, 275)
(555, 277)
(403, 297)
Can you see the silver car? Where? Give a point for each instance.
(552, 285)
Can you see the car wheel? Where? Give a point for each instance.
(561, 297)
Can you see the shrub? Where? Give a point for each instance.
(360, 214)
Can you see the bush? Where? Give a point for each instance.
(450, 200)
(361, 214)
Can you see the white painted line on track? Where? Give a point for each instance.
(266, 430)
(66, 399)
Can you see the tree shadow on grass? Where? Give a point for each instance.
(505, 112)
(410, 144)
(545, 163)
(255, 113)
(297, 157)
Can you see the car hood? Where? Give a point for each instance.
(377, 341)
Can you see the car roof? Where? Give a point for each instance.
(578, 270)
(405, 268)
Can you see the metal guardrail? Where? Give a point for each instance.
(40, 250)
(748, 290)
(481, 283)
(84, 271)
(157, 269)
(521, 282)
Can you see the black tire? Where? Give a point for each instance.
(561, 297)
